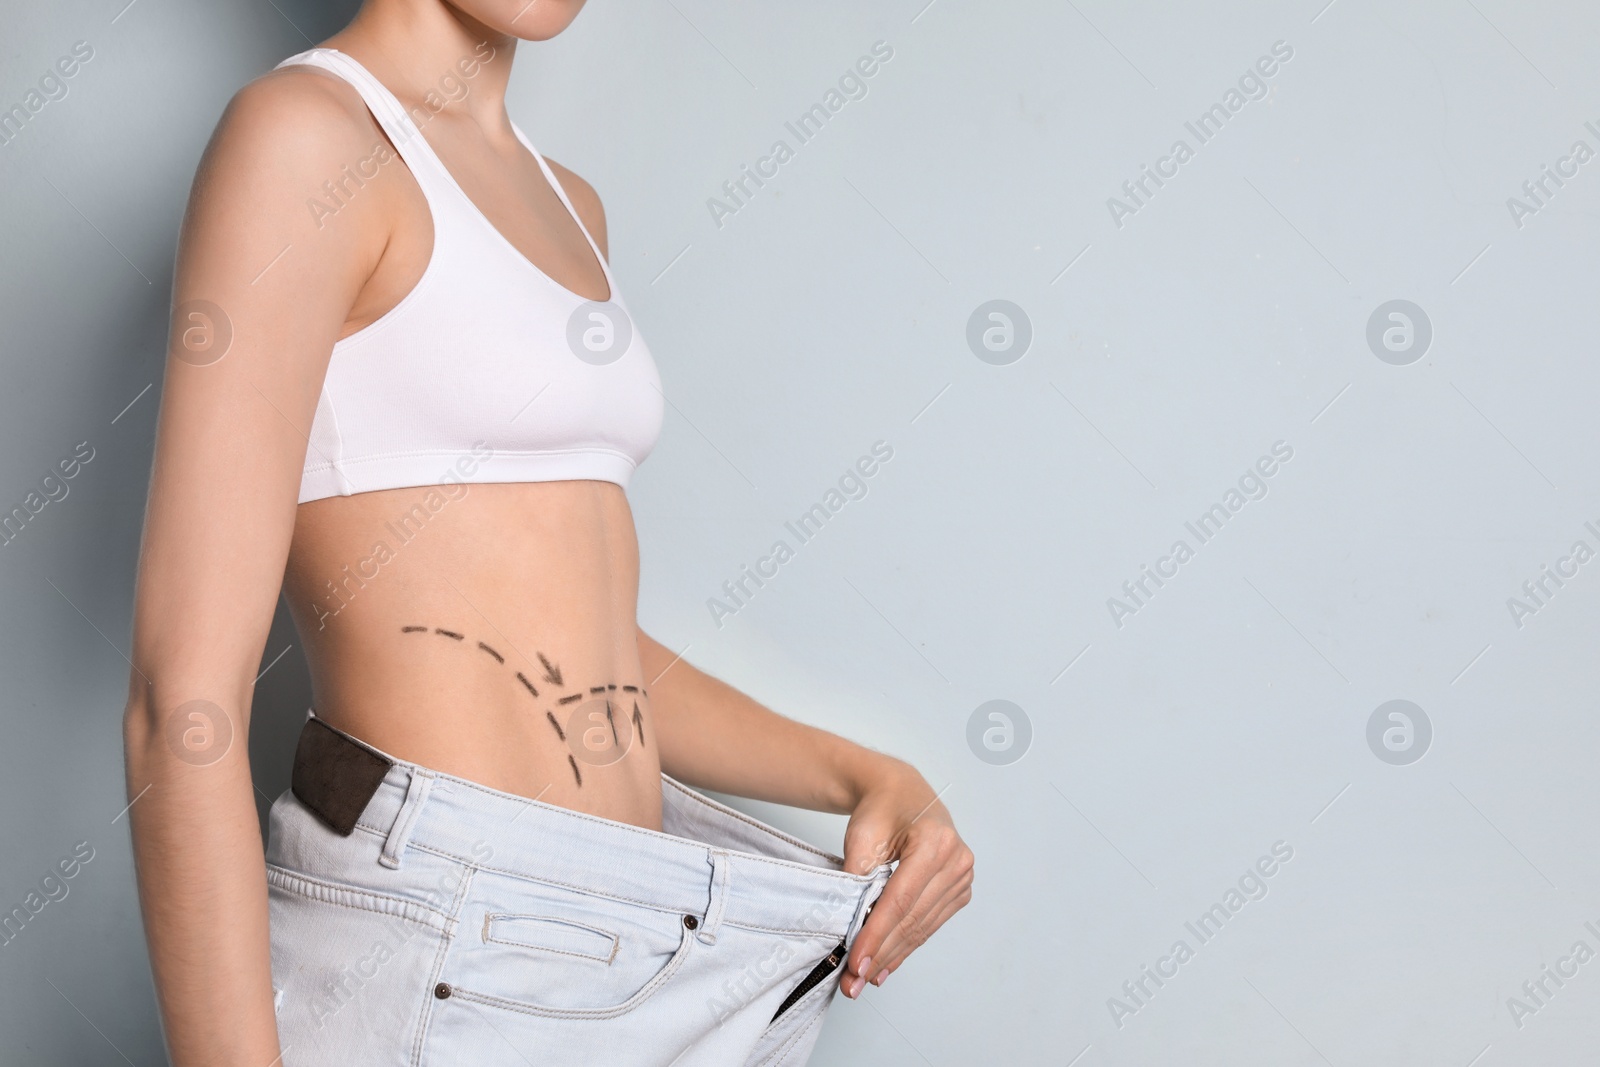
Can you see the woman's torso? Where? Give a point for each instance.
(543, 574)
(487, 629)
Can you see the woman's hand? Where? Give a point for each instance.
(900, 817)
(714, 737)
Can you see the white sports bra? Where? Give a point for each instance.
(488, 370)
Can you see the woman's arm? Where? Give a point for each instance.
(242, 378)
(715, 737)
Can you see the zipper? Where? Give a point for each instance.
(824, 968)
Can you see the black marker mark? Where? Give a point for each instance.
(638, 721)
(498, 658)
(526, 684)
(630, 689)
(570, 699)
(597, 689)
(613, 685)
(413, 629)
(552, 673)
(574, 764)
(451, 634)
(559, 731)
(613, 723)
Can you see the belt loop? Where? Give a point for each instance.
(720, 865)
(400, 833)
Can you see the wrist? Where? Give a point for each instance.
(862, 771)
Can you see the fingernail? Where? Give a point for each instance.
(881, 976)
(856, 983)
(865, 966)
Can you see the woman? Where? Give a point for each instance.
(404, 387)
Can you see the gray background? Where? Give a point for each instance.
(1229, 313)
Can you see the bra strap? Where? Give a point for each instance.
(550, 177)
(386, 108)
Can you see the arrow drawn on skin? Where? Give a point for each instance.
(552, 673)
(638, 721)
(613, 723)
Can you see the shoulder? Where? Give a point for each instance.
(585, 201)
(299, 104)
(261, 189)
(280, 141)
(293, 124)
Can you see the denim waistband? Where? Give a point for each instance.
(708, 860)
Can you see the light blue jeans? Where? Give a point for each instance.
(458, 925)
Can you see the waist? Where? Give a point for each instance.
(577, 733)
(703, 845)
(596, 755)
(498, 643)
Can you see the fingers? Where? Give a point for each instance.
(916, 928)
(930, 912)
(933, 881)
(900, 895)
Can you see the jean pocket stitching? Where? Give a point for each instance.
(616, 941)
(348, 896)
(650, 989)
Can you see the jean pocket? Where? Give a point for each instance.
(557, 952)
(547, 933)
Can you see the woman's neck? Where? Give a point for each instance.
(431, 55)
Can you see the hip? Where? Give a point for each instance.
(455, 923)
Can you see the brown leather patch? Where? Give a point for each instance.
(334, 776)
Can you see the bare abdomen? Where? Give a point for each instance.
(488, 632)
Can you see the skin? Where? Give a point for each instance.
(528, 568)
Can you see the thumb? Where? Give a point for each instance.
(866, 847)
